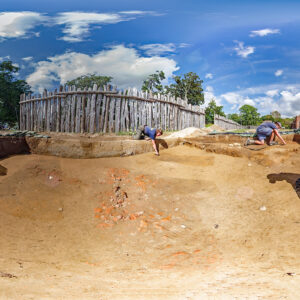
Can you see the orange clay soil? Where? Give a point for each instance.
(186, 225)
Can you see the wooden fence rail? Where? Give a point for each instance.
(105, 110)
(227, 123)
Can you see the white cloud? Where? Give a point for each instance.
(162, 49)
(137, 12)
(19, 24)
(264, 32)
(2, 58)
(184, 45)
(272, 93)
(249, 101)
(78, 24)
(158, 49)
(209, 95)
(28, 58)
(209, 76)
(243, 51)
(124, 64)
(278, 73)
(291, 101)
(231, 97)
(285, 99)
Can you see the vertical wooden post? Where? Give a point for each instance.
(111, 115)
(103, 111)
(78, 111)
(136, 112)
(158, 112)
(130, 111)
(48, 111)
(143, 109)
(28, 112)
(54, 111)
(123, 125)
(21, 112)
(73, 109)
(139, 110)
(126, 112)
(83, 108)
(68, 100)
(98, 108)
(93, 110)
(118, 115)
(59, 111)
(87, 110)
(106, 88)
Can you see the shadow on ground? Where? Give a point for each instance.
(291, 178)
(161, 142)
(3, 171)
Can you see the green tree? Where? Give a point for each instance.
(234, 117)
(87, 81)
(153, 83)
(188, 87)
(211, 110)
(10, 91)
(276, 114)
(286, 122)
(249, 115)
(267, 118)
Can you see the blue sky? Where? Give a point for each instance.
(246, 52)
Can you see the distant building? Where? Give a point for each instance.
(296, 123)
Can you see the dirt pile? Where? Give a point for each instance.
(193, 132)
(187, 132)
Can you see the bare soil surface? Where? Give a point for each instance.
(189, 224)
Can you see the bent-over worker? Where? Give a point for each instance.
(264, 131)
(150, 133)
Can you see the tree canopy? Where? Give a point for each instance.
(87, 81)
(285, 122)
(211, 110)
(234, 117)
(10, 91)
(153, 83)
(187, 87)
(276, 114)
(249, 115)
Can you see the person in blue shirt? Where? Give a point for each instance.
(150, 133)
(267, 130)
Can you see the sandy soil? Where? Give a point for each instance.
(186, 225)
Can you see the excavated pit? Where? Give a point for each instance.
(207, 219)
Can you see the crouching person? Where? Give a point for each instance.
(147, 132)
(267, 130)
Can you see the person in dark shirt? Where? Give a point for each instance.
(150, 133)
(264, 131)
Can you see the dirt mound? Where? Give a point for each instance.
(189, 132)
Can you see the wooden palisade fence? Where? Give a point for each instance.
(226, 123)
(105, 110)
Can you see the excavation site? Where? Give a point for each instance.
(102, 217)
